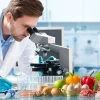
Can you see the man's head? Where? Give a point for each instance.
(22, 14)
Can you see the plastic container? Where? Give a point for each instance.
(32, 83)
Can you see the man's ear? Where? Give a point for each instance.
(9, 16)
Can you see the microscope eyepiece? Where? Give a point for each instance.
(32, 31)
(35, 30)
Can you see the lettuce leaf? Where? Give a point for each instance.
(97, 76)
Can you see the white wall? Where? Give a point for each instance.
(4, 3)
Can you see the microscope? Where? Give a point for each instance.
(45, 43)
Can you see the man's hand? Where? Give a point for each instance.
(5, 84)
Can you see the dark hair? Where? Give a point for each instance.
(19, 8)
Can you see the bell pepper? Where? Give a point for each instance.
(89, 80)
(72, 79)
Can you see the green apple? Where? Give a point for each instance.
(59, 83)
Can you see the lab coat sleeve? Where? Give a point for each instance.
(28, 56)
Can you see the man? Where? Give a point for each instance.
(15, 44)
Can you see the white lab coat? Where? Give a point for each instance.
(23, 52)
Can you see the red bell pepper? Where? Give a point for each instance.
(89, 80)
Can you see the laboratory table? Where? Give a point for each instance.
(52, 98)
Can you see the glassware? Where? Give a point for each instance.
(25, 82)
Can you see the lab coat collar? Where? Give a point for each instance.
(1, 55)
(10, 39)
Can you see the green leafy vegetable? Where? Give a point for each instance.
(96, 86)
(97, 77)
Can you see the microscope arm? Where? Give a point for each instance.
(65, 56)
